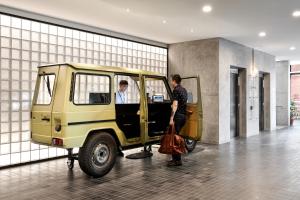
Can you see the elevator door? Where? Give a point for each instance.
(261, 103)
(234, 105)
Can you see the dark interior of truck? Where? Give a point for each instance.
(128, 118)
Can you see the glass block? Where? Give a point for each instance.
(44, 154)
(35, 46)
(82, 44)
(5, 138)
(34, 146)
(5, 20)
(53, 39)
(35, 56)
(61, 41)
(5, 64)
(90, 45)
(53, 30)
(15, 85)
(25, 55)
(4, 160)
(15, 137)
(44, 28)
(61, 152)
(15, 116)
(25, 156)
(15, 95)
(52, 152)
(4, 74)
(25, 35)
(4, 86)
(15, 147)
(15, 54)
(35, 36)
(15, 126)
(52, 58)
(15, 64)
(16, 22)
(52, 48)
(25, 126)
(15, 75)
(44, 57)
(5, 31)
(5, 53)
(5, 148)
(61, 59)
(25, 116)
(25, 45)
(5, 42)
(25, 136)
(60, 50)
(25, 146)
(35, 155)
(44, 47)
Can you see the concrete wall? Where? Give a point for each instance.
(282, 93)
(201, 58)
(212, 59)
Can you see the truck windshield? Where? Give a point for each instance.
(45, 89)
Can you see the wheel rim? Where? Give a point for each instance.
(189, 142)
(101, 154)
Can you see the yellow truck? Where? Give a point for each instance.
(74, 106)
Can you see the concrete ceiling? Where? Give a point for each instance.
(236, 20)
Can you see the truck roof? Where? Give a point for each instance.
(105, 68)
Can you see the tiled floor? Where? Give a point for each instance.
(260, 167)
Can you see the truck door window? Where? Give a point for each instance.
(92, 89)
(132, 93)
(45, 91)
(156, 91)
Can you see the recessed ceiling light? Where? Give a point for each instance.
(127, 10)
(292, 48)
(207, 8)
(262, 34)
(192, 30)
(296, 13)
(164, 21)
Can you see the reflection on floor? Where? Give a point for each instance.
(260, 167)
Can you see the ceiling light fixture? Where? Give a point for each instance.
(296, 13)
(127, 10)
(164, 21)
(292, 48)
(262, 34)
(192, 30)
(207, 8)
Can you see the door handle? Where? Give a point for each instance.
(46, 119)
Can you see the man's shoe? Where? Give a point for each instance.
(173, 163)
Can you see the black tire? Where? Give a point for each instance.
(98, 155)
(190, 144)
(70, 164)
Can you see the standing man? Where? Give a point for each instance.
(120, 95)
(178, 115)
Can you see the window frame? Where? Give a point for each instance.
(164, 79)
(92, 74)
(38, 88)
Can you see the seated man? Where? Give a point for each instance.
(120, 95)
(121, 99)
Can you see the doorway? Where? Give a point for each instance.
(261, 102)
(234, 103)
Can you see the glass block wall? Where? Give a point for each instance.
(24, 45)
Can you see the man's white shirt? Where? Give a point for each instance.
(120, 97)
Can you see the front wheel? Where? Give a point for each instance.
(98, 155)
(190, 144)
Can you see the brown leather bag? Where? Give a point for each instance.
(171, 143)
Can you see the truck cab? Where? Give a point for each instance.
(74, 106)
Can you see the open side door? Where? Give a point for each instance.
(143, 111)
(193, 126)
(43, 100)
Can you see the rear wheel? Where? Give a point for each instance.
(190, 144)
(98, 155)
